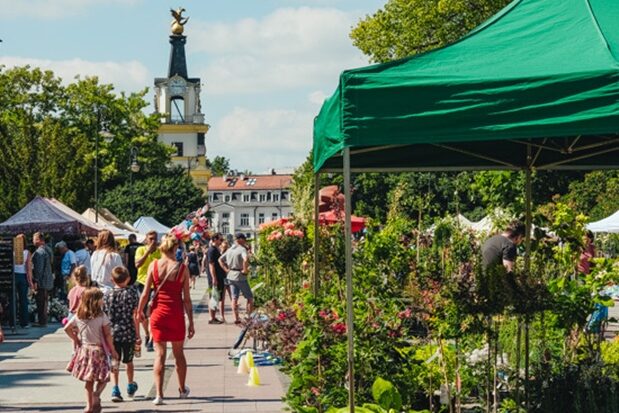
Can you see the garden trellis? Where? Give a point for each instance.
(536, 87)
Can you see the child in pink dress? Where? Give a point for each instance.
(92, 338)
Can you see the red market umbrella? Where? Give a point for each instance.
(330, 217)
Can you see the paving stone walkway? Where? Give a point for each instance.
(32, 376)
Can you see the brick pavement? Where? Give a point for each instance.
(32, 376)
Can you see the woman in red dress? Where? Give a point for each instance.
(171, 300)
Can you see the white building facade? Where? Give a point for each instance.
(242, 203)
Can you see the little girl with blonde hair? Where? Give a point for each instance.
(92, 338)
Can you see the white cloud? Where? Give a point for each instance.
(125, 76)
(262, 139)
(52, 9)
(289, 48)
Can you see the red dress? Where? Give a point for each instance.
(167, 319)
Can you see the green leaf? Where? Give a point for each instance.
(386, 395)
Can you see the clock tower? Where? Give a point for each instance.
(177, 101)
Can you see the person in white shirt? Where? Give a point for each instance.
(104, 260)
(23, 278)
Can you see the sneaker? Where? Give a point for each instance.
(149, 346)
(116, 397)
(131, 389)
(158, 401)
(184, 394)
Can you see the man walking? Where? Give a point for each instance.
(235, 262)
(216, 275)
(129, 257)
(144, 256)
(42, 276)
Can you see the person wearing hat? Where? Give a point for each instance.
(235, 262)
(67, 264)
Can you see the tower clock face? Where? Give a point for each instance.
(177, 86)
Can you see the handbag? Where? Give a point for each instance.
(149, 306)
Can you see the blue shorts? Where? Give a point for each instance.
(240, 286)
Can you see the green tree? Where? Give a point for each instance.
(168, 198)
(597, 194)
(219, 166)
(407, 27)
(48, 133)
(302, 190)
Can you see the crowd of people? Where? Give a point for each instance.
(114, 296)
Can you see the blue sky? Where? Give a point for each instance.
(266, 65)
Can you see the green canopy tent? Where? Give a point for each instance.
(535, 87)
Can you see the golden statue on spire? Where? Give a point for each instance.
(179, 21)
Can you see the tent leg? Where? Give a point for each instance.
(349, 292)
(527, 269)
(316, 280)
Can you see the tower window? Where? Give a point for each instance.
(177, 109)
(179, 148)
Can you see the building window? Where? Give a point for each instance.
(275, 197)
(260, 218)
(244, 220)
(177, 109)
(225, 215)
(274, 216)
(179, 148)
(225, 228)
(263, 197)
(246, 197)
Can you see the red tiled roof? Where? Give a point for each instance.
(252, 182)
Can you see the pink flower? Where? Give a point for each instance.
(281, 316)
(289, 225)
(405, 314)
(278, 235)
(288, 232)
(298, 233)
(315, 391)
(323, 314)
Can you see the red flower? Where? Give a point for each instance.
(323, 314)
(281, 316)
(338, 328)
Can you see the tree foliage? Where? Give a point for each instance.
(407, 27)
(168, 198)
(219, 166)
(48, 133)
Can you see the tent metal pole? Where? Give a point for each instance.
(316, 280)
(527, 269)
(349, 295)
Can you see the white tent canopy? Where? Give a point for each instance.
(110, 222)
(145, 224)
(608, 224)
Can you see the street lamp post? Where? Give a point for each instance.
(134, 168)
(195, 159)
